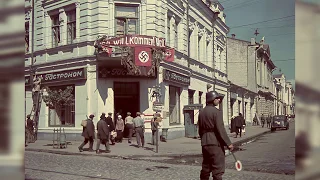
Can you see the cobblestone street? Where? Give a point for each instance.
(74, 167)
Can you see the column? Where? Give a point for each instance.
(111, 28)
(143, 20)
(77, 21)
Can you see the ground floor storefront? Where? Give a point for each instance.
(97, 89)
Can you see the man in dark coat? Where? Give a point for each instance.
(154, 127)
(111, 126)
(88, 134)
(239, 122)
(30, 128)
(103, 134)
(263, 120)
(269, 121)
(213, 138)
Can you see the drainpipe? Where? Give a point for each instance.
(215, 15)
(188, 37)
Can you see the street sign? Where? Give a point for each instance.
(157, 106)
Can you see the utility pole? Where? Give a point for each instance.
(32, 41)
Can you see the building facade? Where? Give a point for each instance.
(241, 60)
(65, 33)
(284, 102)
(264, 70)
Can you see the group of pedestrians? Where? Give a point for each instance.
(238, 125)
(107, 130)
(266, 119)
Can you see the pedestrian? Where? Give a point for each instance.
(269, 121)
(35, 90)
(102, 134)
(111, 127)
(119, 129)
(30, 128)
(139, 127)
(213, 138)
(243, 124)
(129, 125)
(263, 120)
(233, 128)
(154, 127)
(88, 134)
(239, 124)
(255, 120)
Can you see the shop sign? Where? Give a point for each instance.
(176, 77)
(133, 41)
(68, 75)
(121, 72)
(193, 107)
(157, 106)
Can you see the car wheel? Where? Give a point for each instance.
(287, 128)
(273, 129)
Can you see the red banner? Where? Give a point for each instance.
(169, 55)
(134, 41)
(142, 56)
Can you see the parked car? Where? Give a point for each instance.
(279, 122)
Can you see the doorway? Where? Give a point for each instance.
(126, 99)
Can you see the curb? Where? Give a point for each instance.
(236, 143)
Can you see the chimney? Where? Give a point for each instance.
(233, 36)
(253, 41)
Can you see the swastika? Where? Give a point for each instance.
(143, 56)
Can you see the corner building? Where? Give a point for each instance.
(65, 33)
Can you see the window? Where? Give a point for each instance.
(126, 20)
(71, 24)
(55, 30)
(6, 128)
(174, 105)
(176, 39)
(200, 97)
(190, 96)
(207, 55)
(26, 37)
(168, 30)
(239, 106)
(63, 115)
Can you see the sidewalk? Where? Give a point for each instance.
(176, 147)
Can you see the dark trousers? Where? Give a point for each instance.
(140, 136)
(119, 135)
(103, 141)
(130, 130)
(34, 97)
(213, 162)
(238, 130)
(154, 137)
(262, 123)
(86, 140)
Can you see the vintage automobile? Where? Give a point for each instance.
(279, 122)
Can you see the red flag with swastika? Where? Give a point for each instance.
(169, 55)
(142, 56)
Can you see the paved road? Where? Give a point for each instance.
(75, 167)
(270, 153)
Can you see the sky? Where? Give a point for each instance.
(278, 28)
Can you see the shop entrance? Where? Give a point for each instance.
(126, 98)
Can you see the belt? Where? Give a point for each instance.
(208, 130)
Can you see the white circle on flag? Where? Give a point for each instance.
(143, 57)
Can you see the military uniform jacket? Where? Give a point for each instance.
(211, 127)
(103, 130)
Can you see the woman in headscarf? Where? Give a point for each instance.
(119, 128)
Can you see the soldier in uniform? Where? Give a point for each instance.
(102, 134)
(213, 138)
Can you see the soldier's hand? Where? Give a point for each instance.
(230, 147)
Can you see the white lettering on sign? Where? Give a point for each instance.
(53, 76)
(134, 40)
